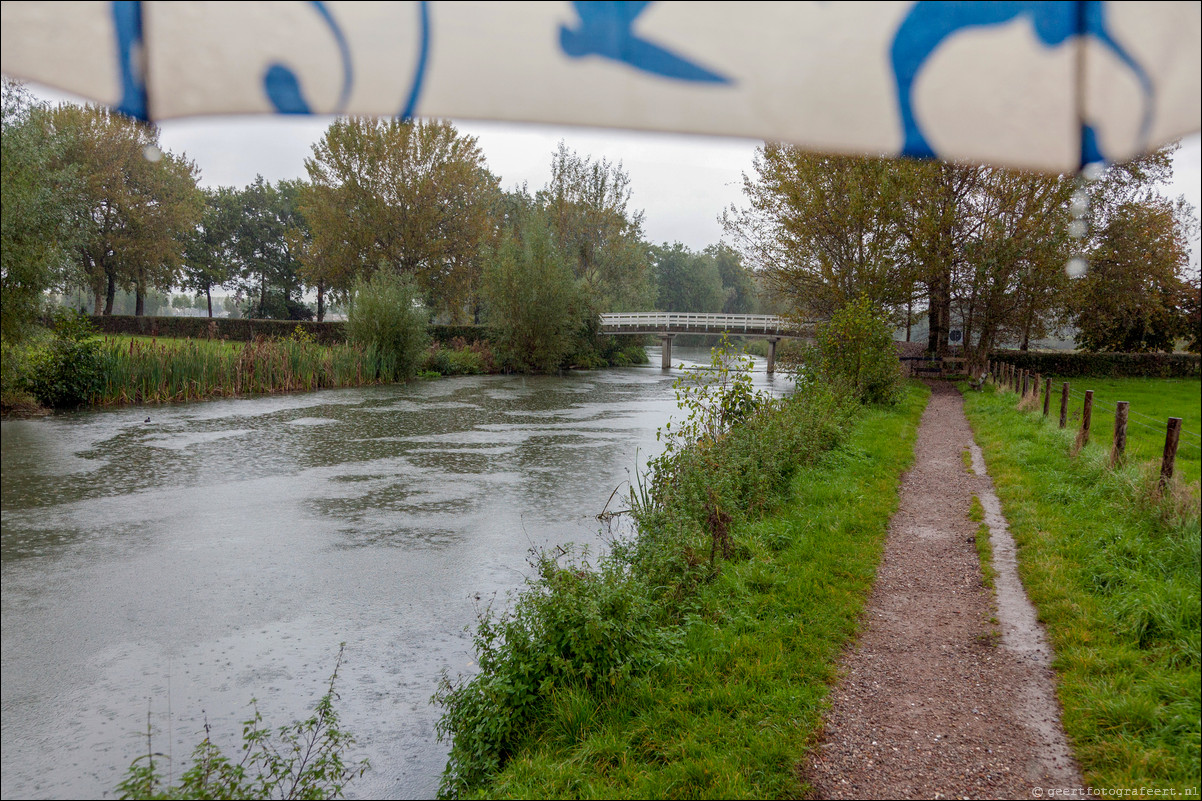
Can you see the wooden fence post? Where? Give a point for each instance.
(1047, 396)
(1035, 382)
(1064, 405)
(1026, 382)
(1086, 415)
(1118, 451)
(1171, 435)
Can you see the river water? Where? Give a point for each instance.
(177, 568)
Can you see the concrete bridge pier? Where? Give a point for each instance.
(772, 354)
(666, 358)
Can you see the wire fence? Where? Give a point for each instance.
(1067, 403)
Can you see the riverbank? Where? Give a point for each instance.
(711, 683)
(150, 370)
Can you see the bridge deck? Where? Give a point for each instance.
(685, 323)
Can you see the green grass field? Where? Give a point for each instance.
(1152, 402)
(1115, 575)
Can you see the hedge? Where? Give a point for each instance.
(1104, 365)
(240, 330)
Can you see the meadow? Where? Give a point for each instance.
(1152, 402)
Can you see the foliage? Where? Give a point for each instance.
(264, 240)
(38, 193)
(1116, 581)
(531, 298)
(459, 357)
(138, 370)
(386, 320)
(600, 236)
(984, 244)
(1103, 365)
(823, 227)
(208, 250)
(303, 760)
(856, 350)
(411, 197)
(1134, 299)
(15, 372)
(138, 202)
(686, 281)
(574, 627)
(729, 704)
(70, 370)
(738, 284)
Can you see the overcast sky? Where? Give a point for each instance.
(681, 182)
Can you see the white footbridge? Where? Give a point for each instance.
(666, 325)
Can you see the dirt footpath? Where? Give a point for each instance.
(937, 700)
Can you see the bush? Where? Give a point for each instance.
(856, 350)
(1104, 365)
(385, 318)
(70, 371)
(533, 303)
(304, 760)
(16, 368)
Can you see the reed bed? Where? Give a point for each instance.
(153, 371)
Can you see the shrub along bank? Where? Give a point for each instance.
(1115, 574)
(693, 659)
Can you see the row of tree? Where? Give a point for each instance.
(112, 212)
(979, 247)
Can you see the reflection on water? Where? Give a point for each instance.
(223, 550)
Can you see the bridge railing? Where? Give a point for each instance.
(714, 322)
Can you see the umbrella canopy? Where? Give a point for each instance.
(1048, 86)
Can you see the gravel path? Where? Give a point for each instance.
(948, 693)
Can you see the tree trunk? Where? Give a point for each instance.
(96, 300)
(321, 301)
(139, 300)
(110, 293)
(939, 312)
(909, 315)
(209, 298)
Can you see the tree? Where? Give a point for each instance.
(824, 228)
(39, 193)
(208, 250)
(1010, 282)
(1135, 297)
(600, 236)
(265, 236)
(413, 197)
(532, 300)
(139, 202)
(686, 281)
(738, 283)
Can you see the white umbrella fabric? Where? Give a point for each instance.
(1047, 86)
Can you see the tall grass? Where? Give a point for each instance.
(151, 371)
(1114, 572)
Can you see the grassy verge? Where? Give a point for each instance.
(726, 693)
(1115, 576)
